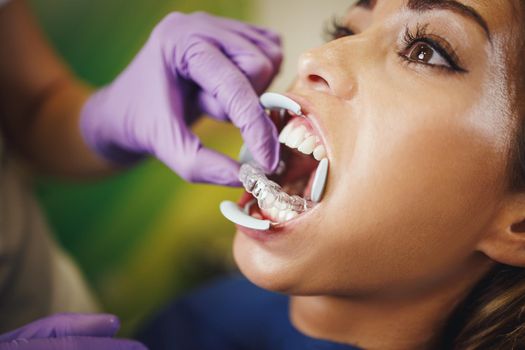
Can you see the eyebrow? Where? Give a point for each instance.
(453, 5)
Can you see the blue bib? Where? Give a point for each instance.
(231, 314)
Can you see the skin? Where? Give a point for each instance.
(40, 101)
(416, 209)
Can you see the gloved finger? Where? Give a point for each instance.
(197, 164)
(216, 168)
(60, 325)
(273, 36)
(269, 48)
(73, 343)
(232, 24)
(235, 94)
(182, 151)
(267, 42)
(209, 106)
(247, 56)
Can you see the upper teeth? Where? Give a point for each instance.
(296, 136)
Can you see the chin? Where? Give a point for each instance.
(263, 269)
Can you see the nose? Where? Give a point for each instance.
(325, 69)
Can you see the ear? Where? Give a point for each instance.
(504, 242)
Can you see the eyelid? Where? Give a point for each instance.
(336, 29)
(443, 47)
(366, 3)
(436, 42)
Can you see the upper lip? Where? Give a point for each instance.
(309, 111)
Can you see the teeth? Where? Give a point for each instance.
(274, 213)
(281, 215)
(319, 152)
(291, 215)
(296, 136)
(276, 204)
(283, 136)
(308, 145)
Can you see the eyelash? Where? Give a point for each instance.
(336, 30)
(437, 43)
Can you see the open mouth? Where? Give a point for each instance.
(299, 181)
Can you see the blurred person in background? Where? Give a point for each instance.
(53, 123)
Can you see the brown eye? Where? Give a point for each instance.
(424, 53)
(421, 52)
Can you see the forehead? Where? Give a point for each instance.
(498, 14)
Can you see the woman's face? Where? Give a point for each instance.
(413, 110)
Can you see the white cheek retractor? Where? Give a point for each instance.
(269, 196)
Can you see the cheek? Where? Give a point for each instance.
(413, 204)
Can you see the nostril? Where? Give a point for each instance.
(318, 82)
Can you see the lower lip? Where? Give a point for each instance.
(262, 236)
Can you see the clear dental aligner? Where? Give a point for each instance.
(268, 193)
(280, 206)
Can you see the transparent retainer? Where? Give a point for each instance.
(268, 193)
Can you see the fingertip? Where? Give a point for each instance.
(215, 168)
(113, 323)
(107, 319)
(269, 161)
(96, 325)
(263, 143)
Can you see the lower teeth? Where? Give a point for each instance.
(269, 195)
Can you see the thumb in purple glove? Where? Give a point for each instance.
(84, 331)
(191, 65)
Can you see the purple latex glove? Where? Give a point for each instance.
(69, 331)
(191, 65)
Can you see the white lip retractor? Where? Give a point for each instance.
(269, 196)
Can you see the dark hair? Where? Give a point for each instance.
(492, 316)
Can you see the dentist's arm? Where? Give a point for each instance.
(40, 100)
(191, 64)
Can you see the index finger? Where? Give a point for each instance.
(236, 95)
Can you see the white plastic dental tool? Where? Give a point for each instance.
(272, 100)
(232, 212)
(268, 195)
(319, 180)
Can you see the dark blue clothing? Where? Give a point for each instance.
(231, 314)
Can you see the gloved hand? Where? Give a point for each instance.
(69, 331)
(191, 65)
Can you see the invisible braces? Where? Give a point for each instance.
(268, 193)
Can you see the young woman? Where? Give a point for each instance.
(419, 242)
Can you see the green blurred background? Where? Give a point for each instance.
(141, 237)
